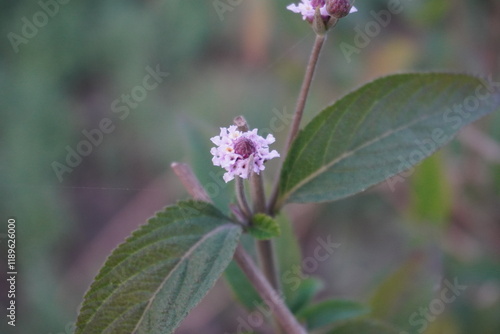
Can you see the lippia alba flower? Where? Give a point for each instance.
(236, 150)
(327, 9)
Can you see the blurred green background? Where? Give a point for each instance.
(397, 245)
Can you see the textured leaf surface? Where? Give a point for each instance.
(152, 280)
(264, 227)
(378, 131)
(330, 311)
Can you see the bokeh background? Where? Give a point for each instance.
(397, 244)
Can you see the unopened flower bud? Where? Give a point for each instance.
(338, 8)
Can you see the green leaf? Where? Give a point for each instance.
(330, 311)
(264, 227)
(365, 326)
(289, 258)
(304, 293)
(241, 287)
(152, 280)
(378, 131)
(430, 192)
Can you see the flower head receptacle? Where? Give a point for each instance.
(236, 149)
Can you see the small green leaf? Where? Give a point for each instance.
(152, 280)
(264, 227)
(378, 131)
(304, 293)
(365, 326)
(331, 311)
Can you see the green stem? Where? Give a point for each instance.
(299, 111)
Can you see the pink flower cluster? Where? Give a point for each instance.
(235, 150)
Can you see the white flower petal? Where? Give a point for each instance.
(273, 154)
(270, 139)
(228, 177)
(294, 8)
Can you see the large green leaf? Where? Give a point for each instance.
(378, 131)
(152, 280)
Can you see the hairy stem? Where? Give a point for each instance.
(281, 312)
(257, 191)
(190, 182)
(299, 111)
(242, 198)
(268, 262)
